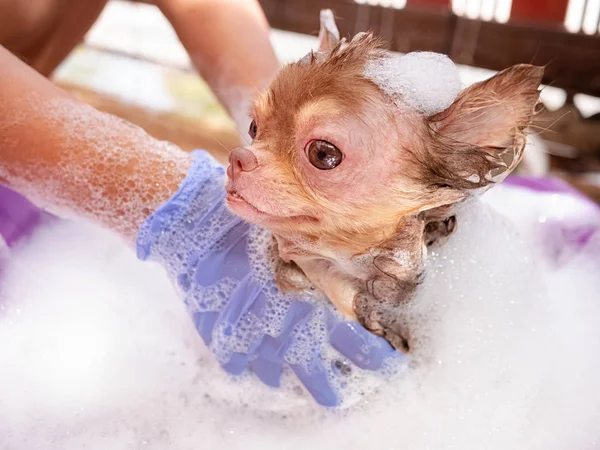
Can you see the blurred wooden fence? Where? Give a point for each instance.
(535, 33)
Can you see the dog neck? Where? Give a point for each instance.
(343, 273)
(340, 271)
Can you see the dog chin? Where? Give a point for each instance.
(247, 211)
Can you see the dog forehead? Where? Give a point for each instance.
(302, 90)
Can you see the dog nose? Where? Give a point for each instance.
(242, 160)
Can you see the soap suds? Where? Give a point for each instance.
(98, 351)
(104, 168)
(424, 81)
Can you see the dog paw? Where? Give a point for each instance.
(383, 320)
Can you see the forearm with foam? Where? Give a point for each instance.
(74, 160)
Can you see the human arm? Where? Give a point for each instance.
(44, 32)
(72, 159)
(228, 43)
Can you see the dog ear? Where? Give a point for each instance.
(481, 136)
(329, 34)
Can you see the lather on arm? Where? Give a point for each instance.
(72, 159)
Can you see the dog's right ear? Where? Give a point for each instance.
(329, 34)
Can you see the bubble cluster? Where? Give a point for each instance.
(424, 81)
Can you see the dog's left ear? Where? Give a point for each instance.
(329, 34)
(485, 126)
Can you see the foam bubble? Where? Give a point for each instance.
(98, 351)
(426, 82)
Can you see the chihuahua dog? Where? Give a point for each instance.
(355, 185)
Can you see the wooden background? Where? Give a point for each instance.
(534, 34)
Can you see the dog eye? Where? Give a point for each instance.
(253, 129)
(324, 155)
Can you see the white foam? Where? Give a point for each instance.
(424, 81)
(98, 352)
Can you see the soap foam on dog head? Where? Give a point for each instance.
(425, 81)
(98, 351)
